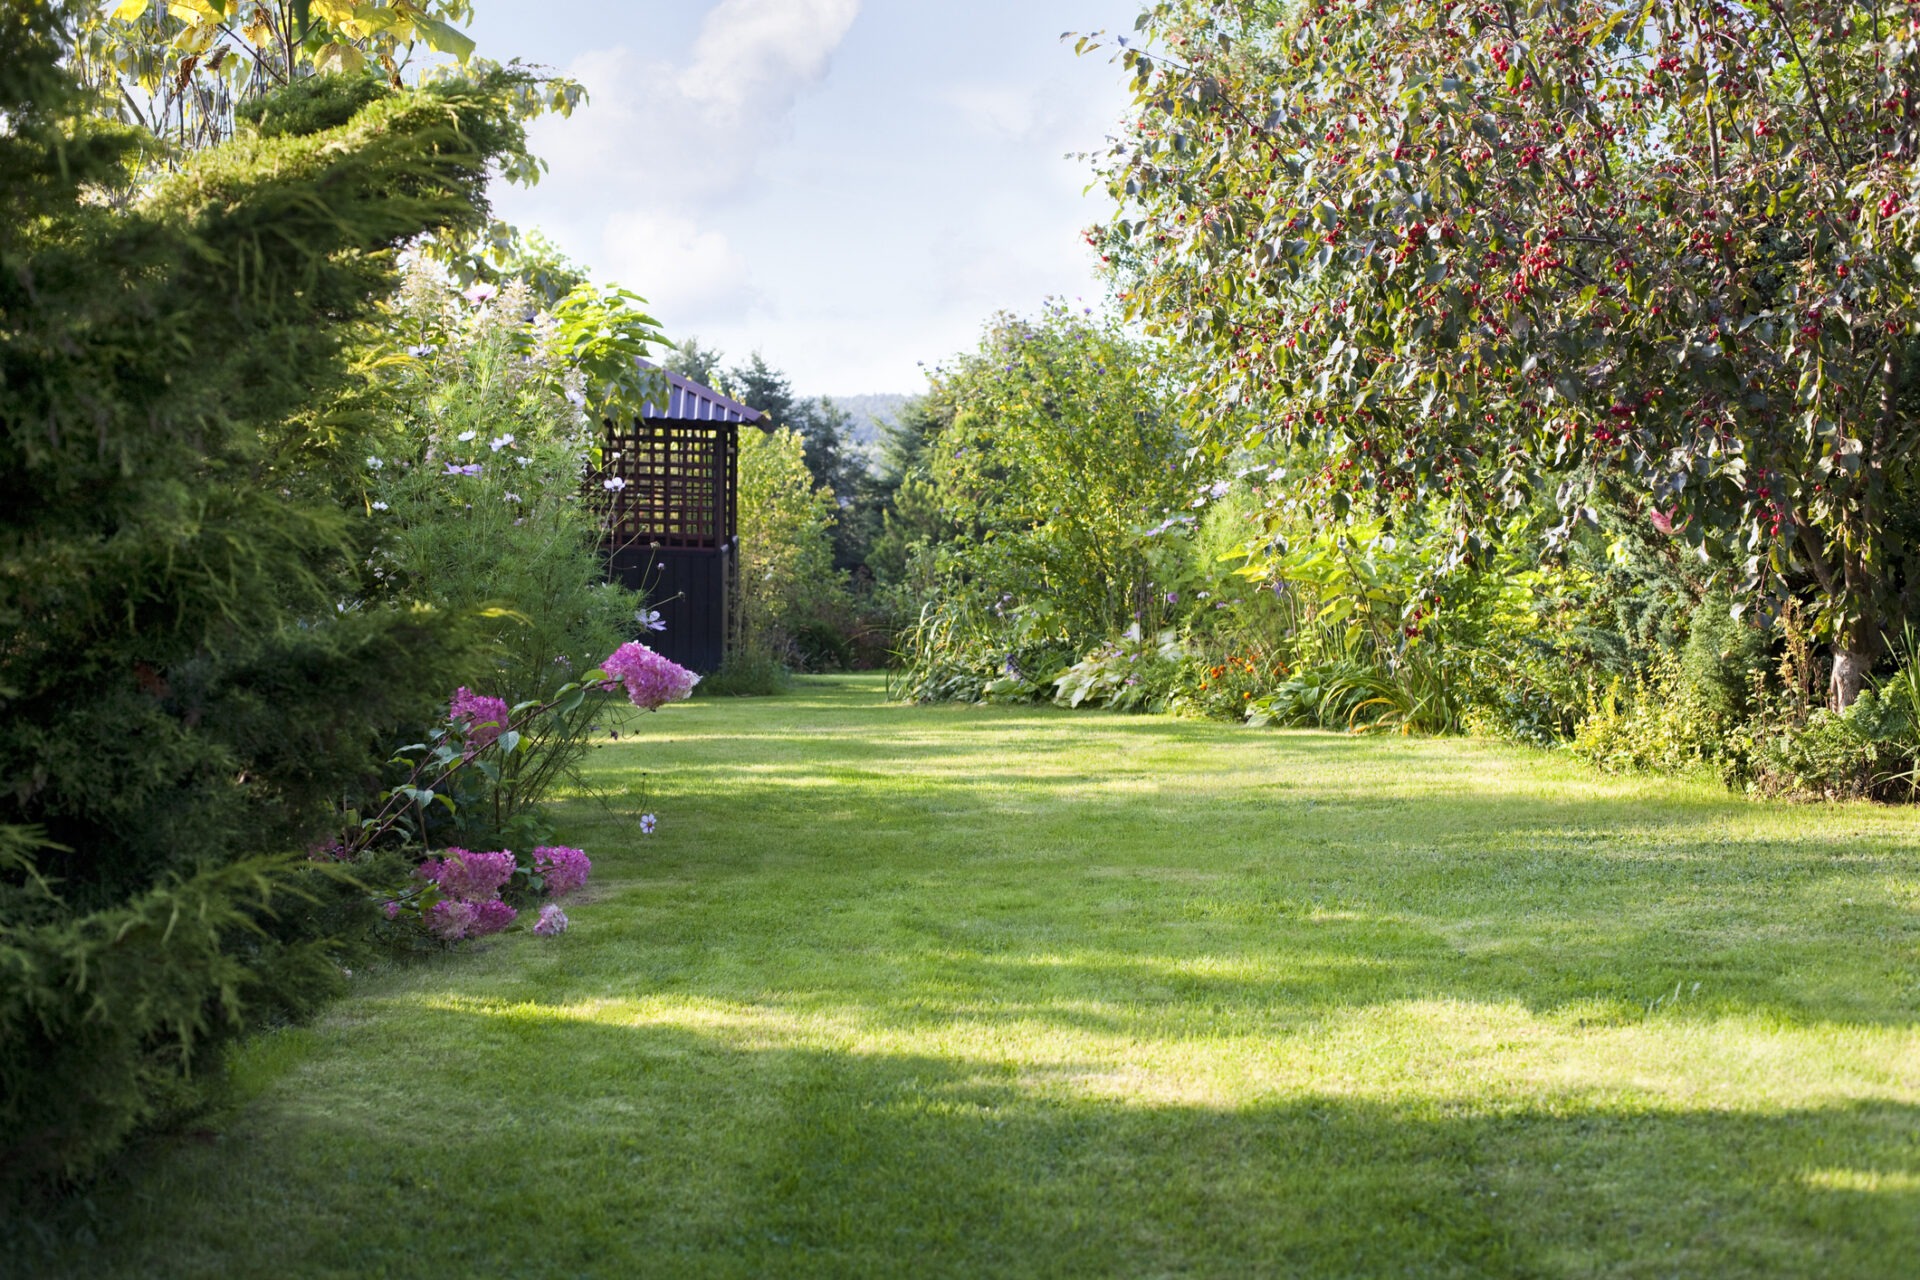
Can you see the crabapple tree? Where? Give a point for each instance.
(1661, 250)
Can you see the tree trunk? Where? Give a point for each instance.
(1850, 667)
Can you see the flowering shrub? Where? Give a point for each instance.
(563, 870)
(651, 680)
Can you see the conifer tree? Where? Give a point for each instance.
(188, 684)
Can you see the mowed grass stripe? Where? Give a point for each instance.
(1015, 991)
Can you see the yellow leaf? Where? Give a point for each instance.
(128, 10)
(338, 57)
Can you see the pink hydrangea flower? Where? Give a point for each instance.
(473, 877)
(651, 680)
(450, 918)
(552, 920)
(490, 917)
(562, 868)
(481, 719)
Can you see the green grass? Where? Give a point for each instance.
(965, 991)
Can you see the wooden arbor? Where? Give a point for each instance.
(669, 489)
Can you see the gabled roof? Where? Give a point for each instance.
(688, 401)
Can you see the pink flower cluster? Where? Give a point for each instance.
(482, 719)
(473, 876)
(552, 920)
(455, 918)
(652, 681)
(563, 869)
(472, 884)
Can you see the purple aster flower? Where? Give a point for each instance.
(647, 823)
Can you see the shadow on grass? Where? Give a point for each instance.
(664, 1149)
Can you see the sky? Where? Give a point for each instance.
(850, 187)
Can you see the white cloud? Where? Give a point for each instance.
(689, 272)
(665, 144)
(689, 130)
(754, 58)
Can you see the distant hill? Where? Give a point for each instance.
(868, 412)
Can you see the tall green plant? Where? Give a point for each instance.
(1051, 452)
(475, 501)
(787, 576)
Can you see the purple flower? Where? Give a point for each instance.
(471, 469)
(470, 877)
(490, 917)
(450, 918)
(650, 619)
(652, 681)
(481, 719)
(1173, 597)
(564, 869)
(421, 352)
(613, 484)
(647, 823)
(552, 921)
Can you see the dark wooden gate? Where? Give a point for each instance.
(668, 489)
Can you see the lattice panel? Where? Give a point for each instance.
(678, 485)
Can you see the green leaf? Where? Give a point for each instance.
(442, 38)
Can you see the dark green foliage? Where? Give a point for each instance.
(761, 387)
(187, 685)
(691, 360)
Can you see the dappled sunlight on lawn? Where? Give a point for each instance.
(1014, 991)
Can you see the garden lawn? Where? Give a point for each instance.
(1013, 991)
